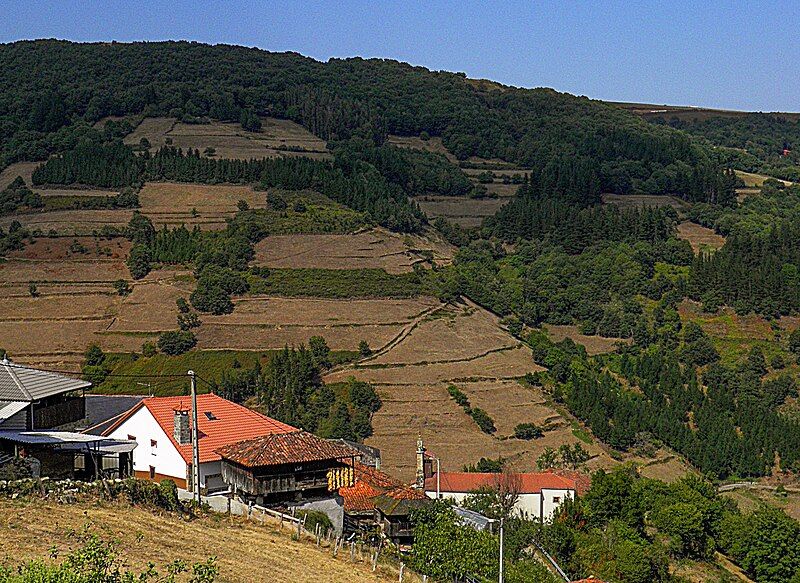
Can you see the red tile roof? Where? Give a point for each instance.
(359, 497)
(530, 483)
(369, 483)
(232, 423)
(284, 448)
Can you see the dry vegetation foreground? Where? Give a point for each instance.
(699, 237)
(246, 552)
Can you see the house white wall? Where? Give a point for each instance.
(535, 505)
(164, 457)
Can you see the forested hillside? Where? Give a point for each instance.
(55, 90)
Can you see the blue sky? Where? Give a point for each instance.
(712, 53)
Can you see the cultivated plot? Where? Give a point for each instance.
(699, 237)
(373, 249)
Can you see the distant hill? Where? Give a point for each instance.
(580, 147)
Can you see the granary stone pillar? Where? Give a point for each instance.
(420, 481)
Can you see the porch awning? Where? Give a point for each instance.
(69, 440)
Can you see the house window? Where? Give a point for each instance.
(556, 499)
(152, 472)
(210, 416)
(153, 443)
(131, 437)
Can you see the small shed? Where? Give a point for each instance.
(286, 466)
(393, 511)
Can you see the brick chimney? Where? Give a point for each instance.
(180, 430)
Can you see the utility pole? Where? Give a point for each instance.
(500, 580)
(195, 441)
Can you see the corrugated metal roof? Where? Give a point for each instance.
(8, 410)
(69, 440)
(22, 383)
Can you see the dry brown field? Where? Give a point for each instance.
(245, 552)
(10, 172)
(465, 346)
(467, 212)
(752, 180)
(58, 248)
(70, 222)
(166, 203)
(229, 140)
(433, 144)
(262, 323)
(699, 237)
(376, 248)
(593, 344)
(18, 271)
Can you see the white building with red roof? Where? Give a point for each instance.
(539, 494)
(161, 426)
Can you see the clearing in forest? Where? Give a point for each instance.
(752, 180)
(464, 211)
(699, 237)
(277, 137)
(373, 249)
(245, 551)
(594, 344)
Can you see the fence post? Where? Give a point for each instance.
(402, 568)
(352, 552)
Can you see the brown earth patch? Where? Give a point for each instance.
(276, 138)
(752, 180)
(467, 212)
(10, 172)
(433, 144)
(593, 344)
(699, 237)
(55, 248)
(24, 271)
(376, 248)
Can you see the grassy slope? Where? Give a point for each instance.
(246, 552)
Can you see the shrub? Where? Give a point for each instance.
(139, 261)
(148, 349)
(122, 287)
(183, 305)
(174, 343)
(242, 205)
(459, 397)
(188, 321)
(33, 290)
(484, 421)
(364, 349)
(314, 518)
(528, 431)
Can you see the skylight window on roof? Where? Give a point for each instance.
(210, 416)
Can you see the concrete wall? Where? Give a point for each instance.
(332, 507)
(535, 506)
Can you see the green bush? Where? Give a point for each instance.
(176, 342)
(528, 431)
(459, 397)
(314, 518)
(484, 421)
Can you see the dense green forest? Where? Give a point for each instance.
(757, 142)
(56, 90)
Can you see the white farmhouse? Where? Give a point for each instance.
(539, 494)
(162, 429)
